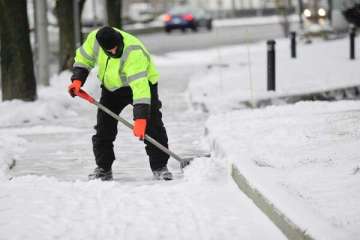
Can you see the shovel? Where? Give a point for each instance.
(183, 161)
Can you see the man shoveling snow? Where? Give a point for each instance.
(128, 76)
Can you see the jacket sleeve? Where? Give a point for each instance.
(137, 77)
(80, 73)
(85, 58)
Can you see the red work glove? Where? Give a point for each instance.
(74, 88)
(139, 128)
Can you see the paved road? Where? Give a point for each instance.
(161, 43)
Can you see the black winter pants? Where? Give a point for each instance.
(106, 128)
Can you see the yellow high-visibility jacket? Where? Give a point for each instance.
(134, 68)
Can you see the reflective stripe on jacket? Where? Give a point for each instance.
(135, 68)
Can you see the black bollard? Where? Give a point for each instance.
(352, 42)
(293, 44)
(271, 65)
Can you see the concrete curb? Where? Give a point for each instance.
(288, 227)
(352, 92)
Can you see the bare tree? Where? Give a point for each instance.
(17, 73)
(114, 8)
(65, 15)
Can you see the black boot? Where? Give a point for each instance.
(163, 174)
(100, 173)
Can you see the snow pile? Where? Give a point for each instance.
(205, 170)
(240, 73)
(53, 102)
(25, 112)
(43, 206)
(303, 155)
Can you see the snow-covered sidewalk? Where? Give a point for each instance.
(50, 198)
(208, 207)
(304, 158)
(239, 73)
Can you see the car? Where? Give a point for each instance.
(316, 19)
(187, 17)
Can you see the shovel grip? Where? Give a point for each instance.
(86, 96)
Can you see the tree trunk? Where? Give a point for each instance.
(81, 7)
(65, 17)
(17, 73)
(114, 8)
(64, 12)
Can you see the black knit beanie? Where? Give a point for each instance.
(109, 38)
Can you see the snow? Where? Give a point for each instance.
(49, 196)
(51, 104)
(6, 158)
(241, 72)
(156, 210)
(249, 21)
(304, 155)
